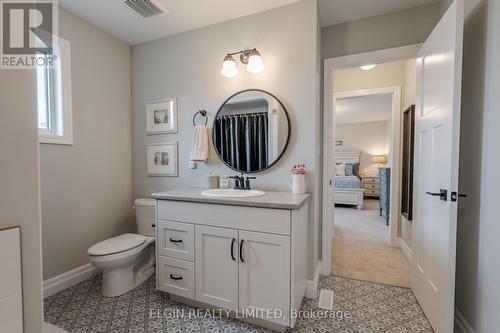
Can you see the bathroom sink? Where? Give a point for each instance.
(230, 193)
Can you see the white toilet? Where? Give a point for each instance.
(127, 260)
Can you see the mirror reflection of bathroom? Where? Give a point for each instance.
(367, 135)
(251, 131)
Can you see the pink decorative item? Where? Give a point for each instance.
(299, 169)
(298, 179)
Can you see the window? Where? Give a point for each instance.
(53, 85)
(44, 87)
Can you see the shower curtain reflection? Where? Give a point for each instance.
(242, 140)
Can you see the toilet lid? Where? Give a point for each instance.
(117, 244)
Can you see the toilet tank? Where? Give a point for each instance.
(145, 216)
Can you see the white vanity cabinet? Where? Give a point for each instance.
(251, 260)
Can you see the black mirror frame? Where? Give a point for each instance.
(287, 139)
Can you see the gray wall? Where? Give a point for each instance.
(478, 246)
(401, 28)
(87, 187)
(369, 138)
(19, 183)
(188, 65)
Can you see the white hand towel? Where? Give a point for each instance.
(199, 147)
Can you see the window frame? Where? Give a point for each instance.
(60, 127)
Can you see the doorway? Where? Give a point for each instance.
(355, 226)
(367, 142)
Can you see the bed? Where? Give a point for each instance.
(348, 189)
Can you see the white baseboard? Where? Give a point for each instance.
(68, 279)
(312, 285)
(461, 324)
(405, 249)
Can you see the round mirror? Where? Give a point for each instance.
(251, 131)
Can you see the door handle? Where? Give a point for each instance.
(455, 196)
(232, 249)
(241, 250)
(443, 194)
(175, 240)
(175, 277)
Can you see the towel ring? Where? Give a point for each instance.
(203, 113)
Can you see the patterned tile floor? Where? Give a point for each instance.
(359, 306)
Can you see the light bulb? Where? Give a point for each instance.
(229, 67)
(255, 64)
(368, 67)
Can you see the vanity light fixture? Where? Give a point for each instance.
(229, 67)
(255, 64)
(368, 67)
(250, 57)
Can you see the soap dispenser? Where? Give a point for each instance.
(212, 181)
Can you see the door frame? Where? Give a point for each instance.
(330, 65)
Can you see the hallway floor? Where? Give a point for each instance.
(359, 306)
(361, 247)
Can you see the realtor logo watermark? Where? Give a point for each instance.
(28, 33)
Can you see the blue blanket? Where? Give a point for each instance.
(347, 182)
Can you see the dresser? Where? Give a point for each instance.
(371, 184)
(385, 192)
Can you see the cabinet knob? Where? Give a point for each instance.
(175, 277)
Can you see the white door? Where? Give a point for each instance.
(264, 274)
(216, 253)
(439, 67)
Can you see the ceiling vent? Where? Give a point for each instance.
(145, 8)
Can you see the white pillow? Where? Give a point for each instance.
(340, 169)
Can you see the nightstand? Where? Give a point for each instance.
(371, 184)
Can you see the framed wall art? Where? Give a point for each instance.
(161, 116)
(162, 159)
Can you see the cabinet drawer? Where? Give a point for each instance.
(372, 186)
(276, 221)
(371, 180)
(175, 240)
(372, 192)
(176, 276)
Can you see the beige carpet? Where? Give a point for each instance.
(361, 248)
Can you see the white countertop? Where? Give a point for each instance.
(272, 199)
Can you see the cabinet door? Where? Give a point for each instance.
(264, 274)
(216, 266)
